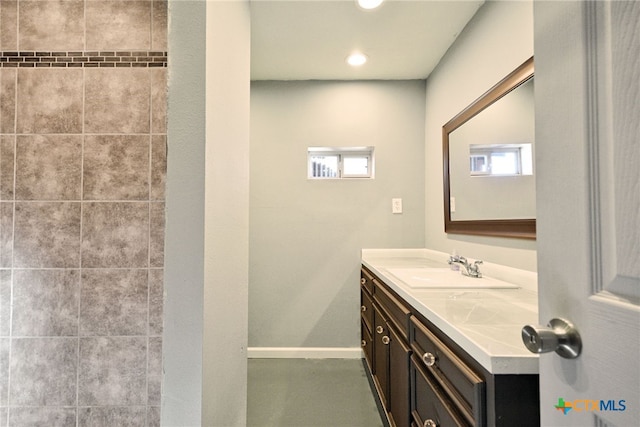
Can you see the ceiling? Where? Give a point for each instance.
(309, 40)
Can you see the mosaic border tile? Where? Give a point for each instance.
(83, 59)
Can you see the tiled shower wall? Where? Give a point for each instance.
(82, 167)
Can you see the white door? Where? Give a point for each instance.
(587, 60)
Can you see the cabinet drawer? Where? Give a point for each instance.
(367, 345)
(366, 280)
(398, 313)
(430, 402)
(456, 378)
(366, 309)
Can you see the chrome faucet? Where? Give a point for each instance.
(470, 270)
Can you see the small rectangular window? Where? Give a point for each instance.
(339, 162)
(500, 159)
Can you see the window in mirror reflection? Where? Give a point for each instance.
(500, 159)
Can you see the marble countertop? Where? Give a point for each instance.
(486, 323)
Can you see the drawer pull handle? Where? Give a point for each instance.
(363, 281)
(363, 343)
(385, 340)
(430, 423)
(379, 329)
(429, 359)
(363, 308)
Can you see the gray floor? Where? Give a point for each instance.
(310, 392)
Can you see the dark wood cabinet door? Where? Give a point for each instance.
(399, 384)
(381, 355)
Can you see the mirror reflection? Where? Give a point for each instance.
(500, 159)
(491, 160)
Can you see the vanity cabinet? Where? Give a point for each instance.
(366, 317)
(456, 392)
(424, 379)
(388, 359)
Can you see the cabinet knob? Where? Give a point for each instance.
(363, 308)
(363, 281)
(385, 340)
(429, 359)
(379, 329)
(363, 343)
(430, 423)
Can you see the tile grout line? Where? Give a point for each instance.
(80, 269)
(13, 227)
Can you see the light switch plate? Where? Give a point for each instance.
(396, 206)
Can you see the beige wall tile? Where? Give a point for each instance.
(153, 416)
(56, 293)
(4, 373)
(123, 416)
(8, 100)
(112, 371)
(42, 416)
(82, 154)
(117, 100)
(116, 167)
(51, 25)
(121, 25)
(158, 100)
(8, 25)
(43, 371)
(158, 166)
(47, 235)
(156, 290)
(50, 100)
(7, 150)
(115, 234)
(154, 370)
(114, 302)
(5, 313)
(159, 29)
(6, 234)
(48, 167)
(156, 235)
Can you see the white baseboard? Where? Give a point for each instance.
(304, 353)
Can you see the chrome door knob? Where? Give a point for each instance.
(559, 335)
(385, 340)
(379, 329)
(430, 423)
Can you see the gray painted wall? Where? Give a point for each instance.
(305, 235)
(497, 40)
(206, 272)
(226, 215)
(184, 233)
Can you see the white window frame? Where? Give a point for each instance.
(486, 152)
(341, 153)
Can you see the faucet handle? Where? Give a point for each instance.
(474, 270)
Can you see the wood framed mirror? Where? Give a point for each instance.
(482, 197)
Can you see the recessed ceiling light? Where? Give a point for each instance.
(369, 4)
(356, 59)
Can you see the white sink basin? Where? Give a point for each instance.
(445, 278)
